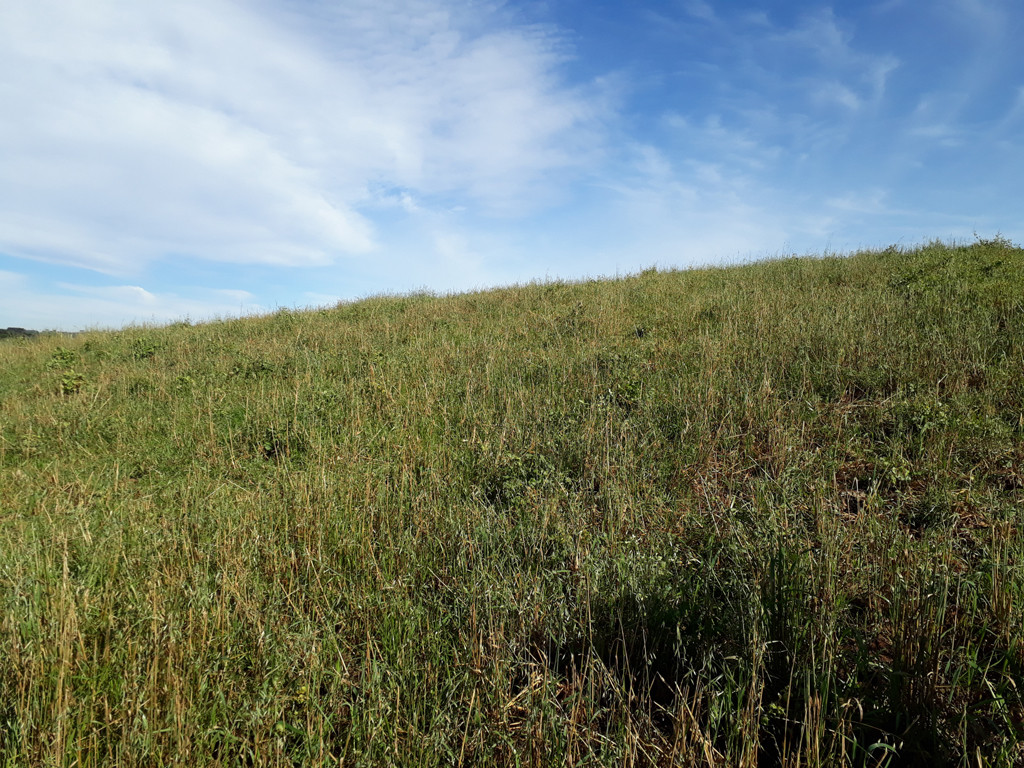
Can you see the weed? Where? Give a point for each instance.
(71, 382)
(61, 359)
(143, 348)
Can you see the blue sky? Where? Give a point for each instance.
(207, 158)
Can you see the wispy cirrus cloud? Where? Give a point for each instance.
(301, 150)
(809, 122)
(258, 133)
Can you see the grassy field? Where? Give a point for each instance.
(769, 515)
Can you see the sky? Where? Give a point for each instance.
(200, 159)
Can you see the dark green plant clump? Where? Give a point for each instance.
(767, 515)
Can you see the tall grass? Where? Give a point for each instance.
(768, 515)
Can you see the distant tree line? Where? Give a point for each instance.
(7, 333)
(19, 333)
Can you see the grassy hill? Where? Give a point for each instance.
(763, 515)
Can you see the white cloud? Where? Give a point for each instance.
(240, 132)
(943, 134)
(700, 9)
(837, 93)
(236, 296)
(986, 18)
(126, 295)
(837, 70)
(873, 202)
(713, 141)
(69, 307)
(933, 121)
(314, 299)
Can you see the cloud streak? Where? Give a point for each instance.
(248, 134)
(69, 307)
(303, 149)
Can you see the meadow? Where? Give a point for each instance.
(763, 515)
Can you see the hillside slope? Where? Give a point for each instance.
(763, 515)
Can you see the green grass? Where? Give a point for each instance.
(764, 515)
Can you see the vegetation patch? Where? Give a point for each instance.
(765, 515)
